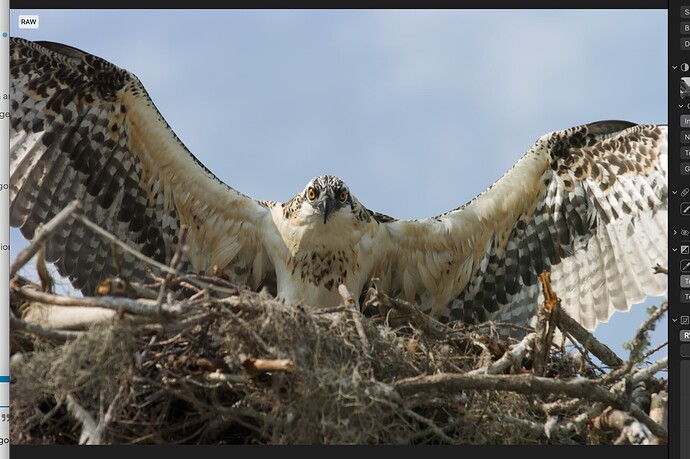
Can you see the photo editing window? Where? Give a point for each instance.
(354, 226)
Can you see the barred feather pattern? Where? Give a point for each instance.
(66, 143)
(599, 225)
(588, 204)
(83, 128)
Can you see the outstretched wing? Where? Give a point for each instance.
(588, 204)
(83, 128)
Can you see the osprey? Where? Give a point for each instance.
(588, 204)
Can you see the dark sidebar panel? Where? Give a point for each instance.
(679, 228)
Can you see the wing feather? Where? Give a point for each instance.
(588, 204)
(83, 128)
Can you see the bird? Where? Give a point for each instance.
(588, 204)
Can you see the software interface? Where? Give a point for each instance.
(350, 226)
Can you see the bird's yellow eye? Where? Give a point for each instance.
(342, 196)
(311, 194)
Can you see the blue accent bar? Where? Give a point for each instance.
(4, 379)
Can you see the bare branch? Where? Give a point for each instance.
(409, 311)
(524, 384)
(96, 439)
(601, 351)
(631, 430)
(114, 240)
(511, 358)
(88, 423)
(268, 365)
(58, 335)
(351, 304)
(141, 307)
(174, 265)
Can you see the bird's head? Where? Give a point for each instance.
(326, 196)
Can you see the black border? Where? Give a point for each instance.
(215, 4)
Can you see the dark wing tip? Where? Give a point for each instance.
(54, 47)
(608, 126)
(61, 48)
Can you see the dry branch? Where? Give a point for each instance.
(174, 266)
(88, 423)
(513, 357)
(407, 310)
(142, 307)
(601, 351)
(351, 304)
(641, 339)
(114, 240)
(524, 384)
(255, 364)
(659, 409)
(631, 431)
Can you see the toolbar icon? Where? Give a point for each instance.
(685, 265)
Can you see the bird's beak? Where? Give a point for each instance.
(325, 207)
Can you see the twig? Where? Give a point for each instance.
(658, 411)
(660, 431)
(351, 304)
(510, 358)
(637, 344)
(654, 350)
(60, 335)
(206, 282)
(176, 327)
(47, 282)
(631, 430)
(107, 419)
(174, 265)
(88, 424)
(524, 384)
(141, 307)
(410, 311)
(265, 365)
(649, 371)
(331, 310)
(550, 428)
(42, 234)
(217, 376)
(114, 240)
(430, 424)
(569, 326)
(641, 339)
(494, 325)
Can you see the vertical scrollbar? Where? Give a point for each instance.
(4, 231)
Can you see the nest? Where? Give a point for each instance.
(192, 359)
(217, 364)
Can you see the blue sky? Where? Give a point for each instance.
(418, 111)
